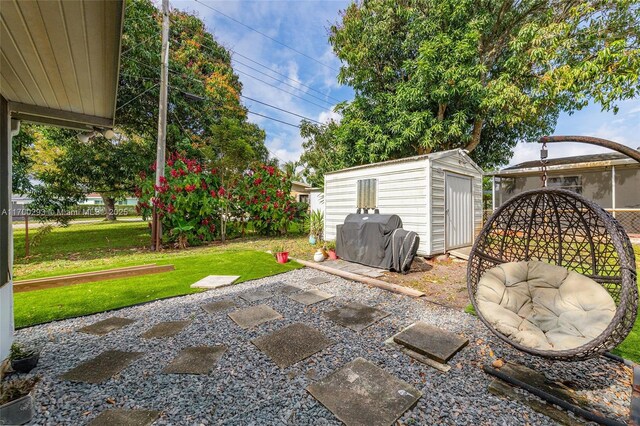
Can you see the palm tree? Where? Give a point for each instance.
(290, 168)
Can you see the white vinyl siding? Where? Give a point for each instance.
(412, 188)
(462, 166)
(401, 190)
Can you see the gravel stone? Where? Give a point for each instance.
(246, 388)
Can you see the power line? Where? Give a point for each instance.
(274, 119)
(280, 109)
(267, 36)
(279, 81)
(281, 89)
(283, 82)
(279, 73)
(255, 100)
(136, 97)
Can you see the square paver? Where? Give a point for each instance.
(288, 289)
(361, 393)
(215, 281)
(165, 329)
(125, 418)
(253, 316)
(292, 344)
(435, 343)
(311, 296)
(102, 367)
(356, 316)
(219, 306)
(195, 360)
(103, 327)
(255, 295)
(318, 280)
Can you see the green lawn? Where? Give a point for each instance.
(81, 240)
(35, 307)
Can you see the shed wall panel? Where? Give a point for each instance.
(401, 189)
(455, 163)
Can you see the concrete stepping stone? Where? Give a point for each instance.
(215, 281)
(361, 393)
(102, 367)
(374, 273)
(292, 344)
(195, 360)
(318, 280)
(356, 316)
(108, 325)
(255, 295)
(219, 306)
(435, 343)
(165, 329)
(288, 289)
(121, 417)
(253, 316)
(311, 296)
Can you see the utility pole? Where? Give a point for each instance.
(156, 228)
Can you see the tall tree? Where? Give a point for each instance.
(322, 152)
(481, 75)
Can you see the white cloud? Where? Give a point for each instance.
(326, 116)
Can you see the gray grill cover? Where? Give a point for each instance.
(377, 240)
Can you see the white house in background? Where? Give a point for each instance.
(316, 199)
(437, 195)
(96, 199)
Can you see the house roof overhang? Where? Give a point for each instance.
(572, 168)
(59, 61)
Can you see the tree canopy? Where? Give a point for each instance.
(433, 75)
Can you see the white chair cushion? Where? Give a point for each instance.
(544, 306)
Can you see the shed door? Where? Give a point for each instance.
(458, 211)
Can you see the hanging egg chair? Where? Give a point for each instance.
(554, 275)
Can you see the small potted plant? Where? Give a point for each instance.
(316, 226)
(16, 401)
(23, 359)
(319, 255)
(281, 255)
(331, 248)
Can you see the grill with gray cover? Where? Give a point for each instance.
(377, 240)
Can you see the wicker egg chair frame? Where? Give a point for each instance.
(563, 228)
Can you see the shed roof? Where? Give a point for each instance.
(60, 60)
(433, 156)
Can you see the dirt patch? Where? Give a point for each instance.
(443, 282)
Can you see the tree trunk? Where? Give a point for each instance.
(109, 207)
(475, 134)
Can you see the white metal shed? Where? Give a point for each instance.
(437, 195)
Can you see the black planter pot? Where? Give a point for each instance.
(24, 365)
(17, 412)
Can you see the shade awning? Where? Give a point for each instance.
(60, 59)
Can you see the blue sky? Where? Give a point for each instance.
(304, 25)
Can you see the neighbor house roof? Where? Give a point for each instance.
(433, 156)
(60, 61)
(568, 163)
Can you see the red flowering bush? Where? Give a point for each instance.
(191, 201)
(194, 207)
(264, 195)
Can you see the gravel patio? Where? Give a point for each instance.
(246, 387)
